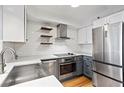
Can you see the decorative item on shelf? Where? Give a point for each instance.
(46, 28)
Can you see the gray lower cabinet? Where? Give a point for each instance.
(87, 66)
(79, 65)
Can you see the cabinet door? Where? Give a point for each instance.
(88, 68)
(14, 23)
(100, 22)
(114, 18)
(85, 35)
(79, 69)
(1, 45)
(1, 32)
(81, 36)
(89, 34)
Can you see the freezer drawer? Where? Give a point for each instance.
(108, 70)
(102, 81)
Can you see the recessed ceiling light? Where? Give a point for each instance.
(75, 5)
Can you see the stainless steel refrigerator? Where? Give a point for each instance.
(108, 52)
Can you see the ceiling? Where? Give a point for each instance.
(78, 16)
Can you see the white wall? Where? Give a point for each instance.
(33, 46)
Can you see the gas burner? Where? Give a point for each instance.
(70, 54)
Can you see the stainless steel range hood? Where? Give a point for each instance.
(62, 31)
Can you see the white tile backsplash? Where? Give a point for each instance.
(86, 48)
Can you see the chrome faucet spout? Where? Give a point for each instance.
(2, 62)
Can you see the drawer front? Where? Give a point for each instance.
(108, 70)
(102, 81)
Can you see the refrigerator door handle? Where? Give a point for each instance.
(105, 34)
(105, 30)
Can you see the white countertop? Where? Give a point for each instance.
(49, 81)
(83, 53)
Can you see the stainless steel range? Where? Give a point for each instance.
(68, 66)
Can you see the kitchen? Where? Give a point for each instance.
(46, 46)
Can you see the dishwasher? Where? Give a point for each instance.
(51, 67)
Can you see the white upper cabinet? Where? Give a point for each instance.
(89, 34)
(1, 45)
(14, 23)
(114, 18)
(81, 36)
(117, 17)
(1, 32)
(85, 35)
(99, 22)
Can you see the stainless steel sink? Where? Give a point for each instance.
(20, 74)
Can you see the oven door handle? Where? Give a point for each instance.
(66, 63)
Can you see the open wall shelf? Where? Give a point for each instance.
(46, 28)
(46, 36)
(46, 43)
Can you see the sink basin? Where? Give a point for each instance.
(24, 73)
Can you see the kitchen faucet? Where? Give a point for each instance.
(2, 61)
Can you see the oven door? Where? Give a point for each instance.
(67, 70)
